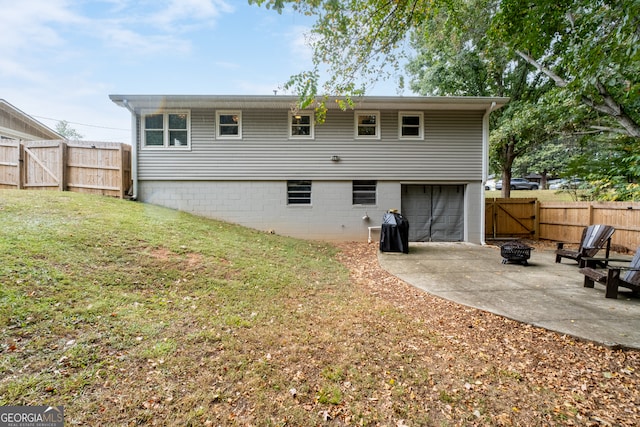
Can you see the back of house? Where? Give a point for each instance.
(260, 162)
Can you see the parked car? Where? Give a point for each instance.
(490, 185)
(563, 184)
(554, 184)
(519, 184)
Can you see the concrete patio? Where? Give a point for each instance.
(543, 294)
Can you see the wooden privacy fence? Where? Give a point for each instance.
(84, 167)
(561, 221)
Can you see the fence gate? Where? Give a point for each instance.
(510, 218)
(43, 165)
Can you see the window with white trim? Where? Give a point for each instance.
(410, 125)
(298, 192)
(364, 192)
(367, 124)
(166, 130)
(229, 124)
(301, 125)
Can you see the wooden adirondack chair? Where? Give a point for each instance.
(614, 277)
(594, 238)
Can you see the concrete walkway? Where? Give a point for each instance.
(543, 294)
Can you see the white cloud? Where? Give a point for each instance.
(32, 24)
(129, 42)
(178, 11)
(128, 26)
(29, 32)
(144, 28)
(301, 52)
(10, 68)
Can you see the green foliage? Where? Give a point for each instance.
(474, 49)
(611, 165)
(359, 42)
(590, 48)
(454, 56)
(67, 131)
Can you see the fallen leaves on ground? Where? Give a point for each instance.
(588, 384)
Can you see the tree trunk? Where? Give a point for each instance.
(543, 180)
(509, 155)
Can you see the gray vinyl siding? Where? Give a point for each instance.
(450, 151)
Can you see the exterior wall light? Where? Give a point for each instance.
(335, 158)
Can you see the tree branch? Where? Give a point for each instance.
(608, 105)
(611, 107)
(560, 82)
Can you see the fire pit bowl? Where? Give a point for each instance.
(515, 252)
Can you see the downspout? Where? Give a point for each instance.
(134, 149)
(485, 167)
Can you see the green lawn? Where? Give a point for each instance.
(541, 195)
(125, 312)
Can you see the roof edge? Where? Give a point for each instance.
(142, 102)
(35, 123)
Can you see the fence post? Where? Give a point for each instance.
(590, 214)
(536, 221)
(20, 166)
(121, 171)
(62, 184)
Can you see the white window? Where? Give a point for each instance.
(166, 130)
(364, 192)
(410, 125)
(301, 125)
(299, 192)
(367, 124)
(229, 124)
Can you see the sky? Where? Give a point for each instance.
(61, 59)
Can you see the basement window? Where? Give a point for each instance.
(299, 192)
(364, 192)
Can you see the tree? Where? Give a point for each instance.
(611, 164)
(550, 158)
(359, 42)
(67, 131)
(522, 128)
(454, 56)
(591, 48)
